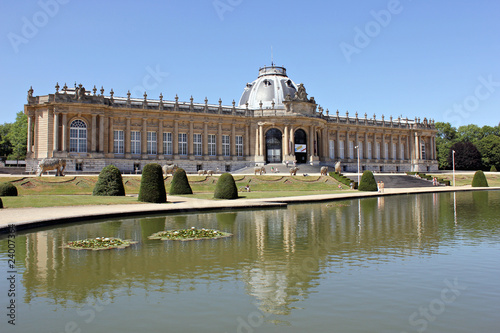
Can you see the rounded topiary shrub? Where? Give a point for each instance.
(479, 179)
(180, 183)
(152, 186)
(367, 182)
(226, 187)
(8, 190)
(110, 182)
(1, 203)
(493, 169)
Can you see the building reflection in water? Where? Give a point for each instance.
(279, 254)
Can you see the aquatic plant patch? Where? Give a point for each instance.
(99, 243)
(189, 234)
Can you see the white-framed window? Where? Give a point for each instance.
(226, 145)
(152, 146)
(341, 149)
(197, 144)
(402, 147)
(351, 149)
(386, 151)
(167, 143)
(331, 149)
(369, 152)
(212, 144)
(78, 136)
(118, 141)
(394, 151)
(239, 145)
(135, 142)
(183, 144)
(377, 151)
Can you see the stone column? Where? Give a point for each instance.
(312, 140)
(30, 135)
(127, 138)
(286, 143)
(101, 134)
(337, 144)
(324, 144)
(65, 133)
(111, 136)
(261, 141)
(292, 142)
(246, 146)
(190, 140)
(144, 138)
(93, 142)
(365, 147)
(346, 145)
(56, 132)
(232, 141)
(399, 148)
(205, 140)
(417, 147)
(175, 139)
(159, 138)
(382, 148)
(257, 141)
(219, 141)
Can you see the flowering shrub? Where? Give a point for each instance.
(189, 234)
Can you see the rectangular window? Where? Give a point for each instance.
(422, 150)
(183, 144)
(239, 145)
(225, 145)
(386, 151)
(341, 149)
(369, 153)
(152, 146)
(331, 149)
(167, 143)
(135, 142)
(394, 151)
(402, 151)
(212, 145)
(118, 142)
(378, 150)
(351, 149)
(197, 144)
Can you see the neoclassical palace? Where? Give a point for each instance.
(274, 122)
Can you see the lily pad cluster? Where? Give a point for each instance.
(189, 234)
(99, 243)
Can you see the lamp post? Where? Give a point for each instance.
(357, 149)
(453, 155)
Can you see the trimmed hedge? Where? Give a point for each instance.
(109, 183)
(343, 179)
(493, 169)
(479, 179)
(152, 187)
(180, 183)
(8, 189)
(367, 182)
(226, 187)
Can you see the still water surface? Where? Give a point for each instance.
(410, 263)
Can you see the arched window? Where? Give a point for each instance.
(78, 137)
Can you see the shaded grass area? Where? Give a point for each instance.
(493, 178)
(77, 190)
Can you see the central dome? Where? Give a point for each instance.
(272, 85)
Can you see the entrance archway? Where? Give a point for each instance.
(300, 149)
(273, 146)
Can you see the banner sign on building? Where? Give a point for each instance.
(300, 148)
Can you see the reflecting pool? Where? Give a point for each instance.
(407, 263)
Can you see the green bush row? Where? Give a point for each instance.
(343, 179)
(428, 177)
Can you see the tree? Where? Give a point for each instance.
(367, 182)
(467, 156)
(446, 136)
(489, 147)
(110, 182)
(469, 133)
(152, 187)
(226, 187)
(5, 145)
(17, 136)
(180, 183)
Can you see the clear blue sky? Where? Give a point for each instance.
(415, 58)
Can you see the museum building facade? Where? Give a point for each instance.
(274, 122)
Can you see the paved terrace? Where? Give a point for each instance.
(27, 218)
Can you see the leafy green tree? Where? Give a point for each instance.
(489, 147)
(110, 182)
(5, 145)
(446, 137)
(17, 136)
(152, 187)
(180, 183)
(469, 133)
(479, 179)
(226, 187)
(367, 182)
(467, 156)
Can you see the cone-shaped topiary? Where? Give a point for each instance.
(493, 169)
(226, 187)
(367, 182)
(8, 189)
(152, 185)
(110, 182)
(1, 203)
(479, 179)
(180, 183)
